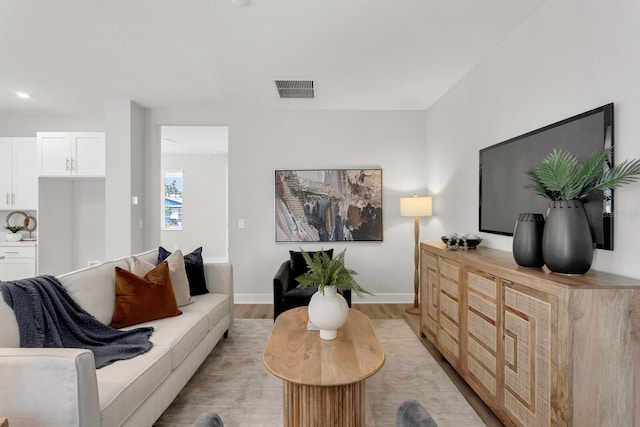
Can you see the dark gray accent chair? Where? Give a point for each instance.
(412, 414)
(209, 419)
(286, 294)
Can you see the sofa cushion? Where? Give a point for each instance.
(214, 306)
(194, 265)
(180, 334)
(124, 385)
(141, 299)
(10, 334)
(94, 288)
(149, 256)
(177, 272)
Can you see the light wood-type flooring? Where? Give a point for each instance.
(392, 311)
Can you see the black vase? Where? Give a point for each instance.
(567, 246)
(527, 240)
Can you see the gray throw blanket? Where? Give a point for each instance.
(48, 317)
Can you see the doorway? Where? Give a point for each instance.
(194, 180)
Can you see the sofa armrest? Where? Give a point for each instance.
(49, 387)
(219, 277)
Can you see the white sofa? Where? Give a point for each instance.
(61, 387)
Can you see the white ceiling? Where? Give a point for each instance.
(74, 55)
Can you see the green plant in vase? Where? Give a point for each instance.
(325, 271)
(14, 228)
(328, 310)
(562, 177)
(13, 234)
(567, 245)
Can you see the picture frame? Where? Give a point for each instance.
(328, 205)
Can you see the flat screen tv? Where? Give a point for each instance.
(503, 166)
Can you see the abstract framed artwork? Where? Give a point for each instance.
(328, 205)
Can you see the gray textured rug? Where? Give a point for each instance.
(234, 383)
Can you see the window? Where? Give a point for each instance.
(172, 201)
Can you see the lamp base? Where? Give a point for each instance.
(413, 310)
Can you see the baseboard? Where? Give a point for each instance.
(366, 299)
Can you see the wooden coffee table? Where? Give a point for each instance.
(323, 380)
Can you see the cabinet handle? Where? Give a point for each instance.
(67, 159)
(13, 198)
(490, 276)
(8, 199)
(73, 166)
(508, 282)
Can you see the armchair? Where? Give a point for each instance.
(286, 294)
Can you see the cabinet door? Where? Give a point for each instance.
(449, 309)
(483, 295)
(14, 269)
(529, 318)
(429, 296)
(5, 173)
(89, 154)
(25, 174)
(54, 154)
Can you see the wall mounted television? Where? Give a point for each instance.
(503, 166)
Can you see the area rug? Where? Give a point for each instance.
(234, 383)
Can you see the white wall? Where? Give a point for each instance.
(88, 216)
(71, 219)
(205, 203)
(137, 178)
(262, 141)
(569, 57)
(125, 178)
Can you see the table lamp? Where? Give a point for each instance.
(416, 207)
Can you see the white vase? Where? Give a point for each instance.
(13, 237)
(328, 312)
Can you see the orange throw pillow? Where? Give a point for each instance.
(141, 299)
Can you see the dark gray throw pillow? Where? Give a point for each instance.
(194, 265)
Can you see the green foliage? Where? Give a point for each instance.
(324, 271)
(14, 228)
(172, 189)
(561, 177)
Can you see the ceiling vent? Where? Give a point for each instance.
(295, 88)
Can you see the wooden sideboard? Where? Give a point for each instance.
(539, 348)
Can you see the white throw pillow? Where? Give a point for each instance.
(177, 272)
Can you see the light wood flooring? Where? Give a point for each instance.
(392, 311)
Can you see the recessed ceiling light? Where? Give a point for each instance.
(23, 95)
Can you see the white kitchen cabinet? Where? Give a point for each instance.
(18, 174)
(17, 260)
(80, 154)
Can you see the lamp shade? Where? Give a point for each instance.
(415, 206)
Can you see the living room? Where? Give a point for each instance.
(557, 59)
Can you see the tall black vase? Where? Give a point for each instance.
(567, 246)
(527, 240)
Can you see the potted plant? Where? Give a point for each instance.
(328, 310)
(567, 245)
(14, 235)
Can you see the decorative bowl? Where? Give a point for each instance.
(460, 242)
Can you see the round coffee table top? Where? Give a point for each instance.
(299, 356)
